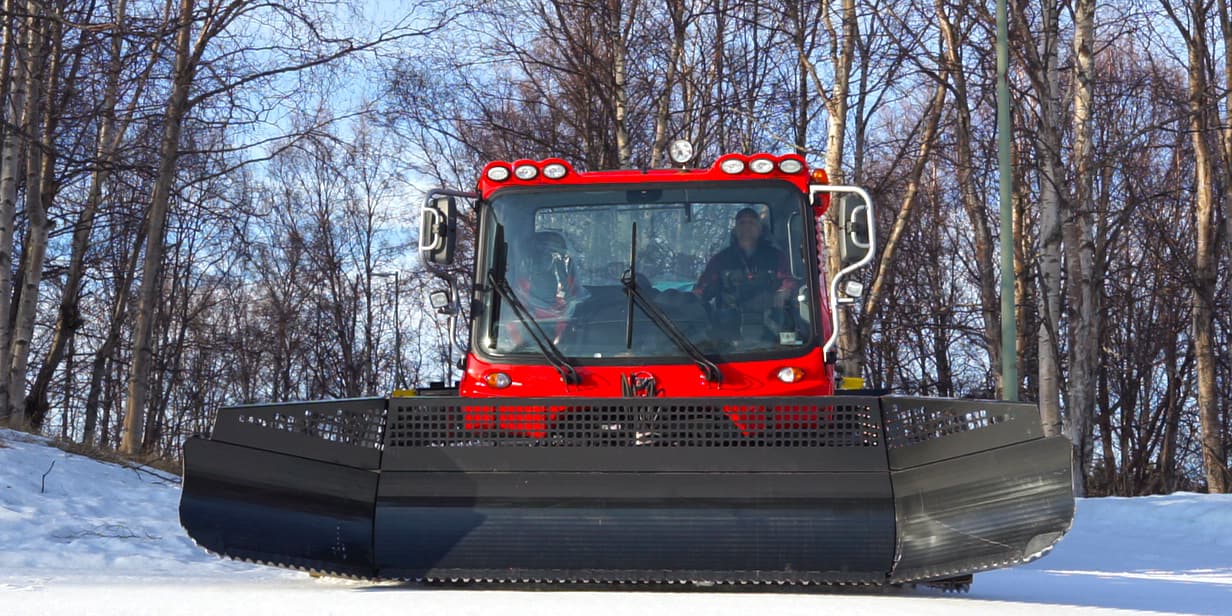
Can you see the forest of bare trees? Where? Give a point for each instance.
(208, 202)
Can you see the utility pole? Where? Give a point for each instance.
(1009, 325)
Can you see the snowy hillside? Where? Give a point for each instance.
(94, 538)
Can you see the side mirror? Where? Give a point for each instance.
(854, 218)
(438, 229)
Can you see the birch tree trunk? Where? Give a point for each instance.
(1171, 418)
(35, 405)
(803, 35)
(663, 106)
(69, 316)
(35, 121)
(1225, 26)
(1084, 283)
(1206, 258)
(621, 25)
(1042, 62)
(974, 206)
(1025, 290)
(13, 72)
(151, 270)
(842, 52)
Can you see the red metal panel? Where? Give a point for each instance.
(684, 380)
(638, 176)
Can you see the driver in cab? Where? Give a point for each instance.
(749, 275)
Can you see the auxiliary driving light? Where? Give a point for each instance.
(498, 174)
(761, 165)
(680, 151)
(526, 172)
(791, 165)
(554, 171)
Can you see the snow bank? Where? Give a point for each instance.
(96, 538)
(67, 515)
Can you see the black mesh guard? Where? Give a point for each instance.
(785, 489)
(348, 432)
(635, 422)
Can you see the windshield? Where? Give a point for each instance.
(724, 264)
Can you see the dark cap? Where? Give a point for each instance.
(746, 212)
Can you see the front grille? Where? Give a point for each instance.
(635, 422)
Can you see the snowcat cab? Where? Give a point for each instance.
(636, 408)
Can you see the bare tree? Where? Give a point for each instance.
(1084, 277)
(1193, 29)
(113, 123)
(187, 58)
(973, 204)
(197, 28)
(14, 77)
(1039, 48)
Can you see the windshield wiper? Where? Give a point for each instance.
(709, 370)
(549, 350)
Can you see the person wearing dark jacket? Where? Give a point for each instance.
(748, 285)
(749, 268)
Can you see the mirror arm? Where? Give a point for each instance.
(431, 221)
(814, 191)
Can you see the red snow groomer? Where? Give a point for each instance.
(648, 396)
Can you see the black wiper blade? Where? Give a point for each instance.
(665, 323)
(549, 349)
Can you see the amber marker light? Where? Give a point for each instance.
(499, 380)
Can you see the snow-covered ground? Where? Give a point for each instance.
(94, 538)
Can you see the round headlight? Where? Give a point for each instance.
(498, 174)
(732, 166)
(554, 171)
(526, 172)
(499, 380)
(790, 374)
(761, 165)
(791, 165)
